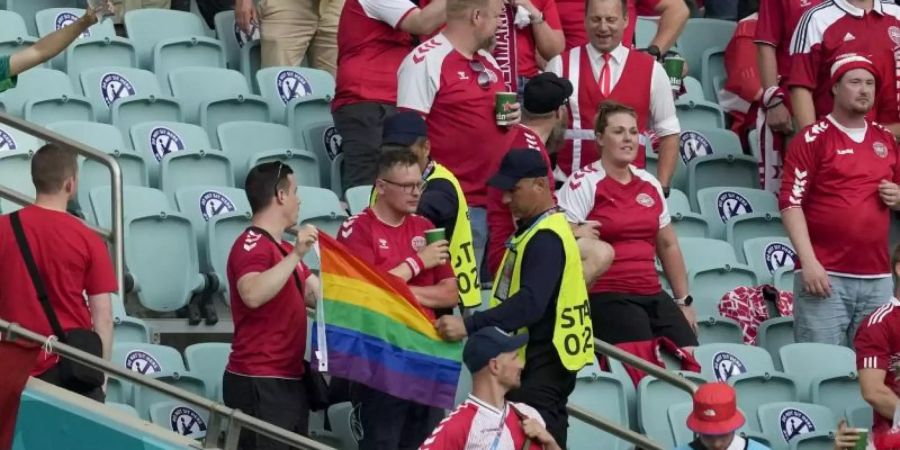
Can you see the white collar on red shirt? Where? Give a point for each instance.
(856, 134)
(895, 301)
(618, 55)
(487, 406)
(856, 11)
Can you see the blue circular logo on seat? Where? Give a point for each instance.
(795, 423)
(332, 142)
(7, 143)
(114, 87)
(732, 204)
(65, 19)
(187, 422)
(142, 362)
(779, 255)
(693, 144)
(213, 203)
(291, 84)
(726, 365)
(164, 141)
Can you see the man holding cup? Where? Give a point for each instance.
(454, 82)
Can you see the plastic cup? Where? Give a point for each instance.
(674, 65)
(863, 442)
(502, 107)
(102, 7)
(435, 234)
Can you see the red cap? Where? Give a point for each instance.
(715, 410)
(849, 61)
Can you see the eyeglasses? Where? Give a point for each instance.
(484, 78)
(278, 177)
(409, 188)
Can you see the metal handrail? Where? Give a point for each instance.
(117, 233)
(238, 419)
(613, 428)
(672, 378)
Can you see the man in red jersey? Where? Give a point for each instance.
(452, 80)
(373, 38)
(270, 290)
(490, 355)
(71, 259)
(866, 27)
(595, 71)
(673, 14)
(776, 24)
(842, 163)
(877, 346)
(390, 236)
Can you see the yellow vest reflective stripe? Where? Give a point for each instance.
(573, 335)
(462, 251)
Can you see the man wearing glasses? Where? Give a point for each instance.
(452, 80)
(390, 236)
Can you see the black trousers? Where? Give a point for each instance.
(52, 376)
(391, 423)
(546, 386)
(360, 127)
(279, 401)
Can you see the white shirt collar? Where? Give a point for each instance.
(487, 406)
(738, 443)
(847, 130)
(618, 54)
(895, 301)
(855, 11)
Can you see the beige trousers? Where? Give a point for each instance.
(292, 29)
(122, 6)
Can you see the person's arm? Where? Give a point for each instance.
(101, 318)
(257, 288)
(882, 399)
(767, 62)
(439, 205)
(673, 14)
(418, 82)
(873, 361)
(441, 295)
(664, 122)
(313, 287)
(806, 58)
(803, 106)
(245, 14)
(542, 271)
(425, 21)
(50, 45)
(672, 261)
(548, 41)
(777, 115)
(538, 433)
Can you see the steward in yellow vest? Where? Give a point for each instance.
(539, 289)
(442, 201)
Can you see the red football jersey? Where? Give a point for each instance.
(475, 424)
(777, 21)
(370, 50)
(525, 46)
(877, 345)
(828, 174)
(742, 91)
(501, 224)
(441, 83)
(835, 28)
(72, 260)
(269, 341)
(630, 217)
(385, 246)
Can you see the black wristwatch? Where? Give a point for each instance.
(666, 191)
(654, 52)
(688, 301)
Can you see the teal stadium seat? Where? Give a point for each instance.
(721, 362)
(241, 50)
(693, 90)
(713, 270)
(719, 205)
(29, 8)
(211, 97)
(194, 168)
(252, 143)
(182, 418)
(167, 39)
(126, 328)
(694, 143)
(340, 416)
(745, 227)
(125, 96)
(128, 410)
(119, 391)
(768, 254)
(773, 334)
(686, 222)
(158, 361)
(155, 140)
(144, 397)
(700, 35)
(653, 400)
(358, 198)
(761, 388)
(207, 360)
(819, 440)
(602, 394)
(222, 231)
(15, 171)
(694, 114)
(200, 204)
(14, 35)
(712, 68)
(784, 422)
(717, 329)
(717, 171)
(645, 31)
(678, 414)
(98, 46)
(321, 208)
(810, 362)
(784, 278)
(859, 416)
(135, 200)
(838, 392)
(11, 140)
(45, 96)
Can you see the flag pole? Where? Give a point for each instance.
(322, 350)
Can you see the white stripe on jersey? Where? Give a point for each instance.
(880, 314)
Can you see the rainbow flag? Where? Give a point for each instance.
(371, 330)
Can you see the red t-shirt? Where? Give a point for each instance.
(877, 345)
(836, 28)
(501, 224)
(370, 50)
(743, 90)
(439, 82)
(269, 341)
(525, 46)
(777, 21)
(835, 180)
(630, 217)
(73, 262)
(385, 246)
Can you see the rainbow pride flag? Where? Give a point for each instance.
(371, 330)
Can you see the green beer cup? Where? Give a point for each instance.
(863, 441)
(435, 234)
(674, 65)
(502, 102)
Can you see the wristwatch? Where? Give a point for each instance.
(686, 301)
(537, 19)
(654, 52)
(666, 191)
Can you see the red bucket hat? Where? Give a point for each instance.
(715, 410)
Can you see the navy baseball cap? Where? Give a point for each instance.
(404, 128)
(546, 93)
(517, 164)
(488, 343)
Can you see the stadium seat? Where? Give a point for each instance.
(720, 204)
(125, 96)
(12, 139)
(768, 254)
(686, 222)
(45, 96)
(693, 90)
(709, 141)
(166, 39)
(720, 362)
(14, 35)
(653, 400)
(222, 230)
(837, 392)
(700, 35)
(125, 328)
(154, 140)
(207, 360)
(123, 408)
(322, 208)
(761, 388)
(718, 329)
(144, 397)
(147, 359)
(713, 270)
(717, 171)
(358, 198)
(280, 85)
(29, 8)
(712, 68)
(135, 200)
(98, 46)
(678, 414)
(784, 278)
(602, 394)
(859, 416)
(179, 417)
(783, 422)
(200, 204)
(808, 361)
(15, 171)
(750, 226)
(251, 143)
(699, 114)
(237, 47)
(211, 97)
(753, 140)
(645, 31)
(774, 334)
(342, 425)
(818, 440)
(194, 168)
(118, 391)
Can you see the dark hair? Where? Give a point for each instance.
(263, 183)
(624, 3)
(607, 109)
(398, 156)
(51, 165)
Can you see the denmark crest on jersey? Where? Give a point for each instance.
(645, 200)
(880, 149)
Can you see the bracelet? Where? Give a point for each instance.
(537, 20)
(773, 105)
(415, 264)
(772, 93)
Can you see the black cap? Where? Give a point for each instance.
(488, 343)
(404, 128)
(517, 164)
(546, 93)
